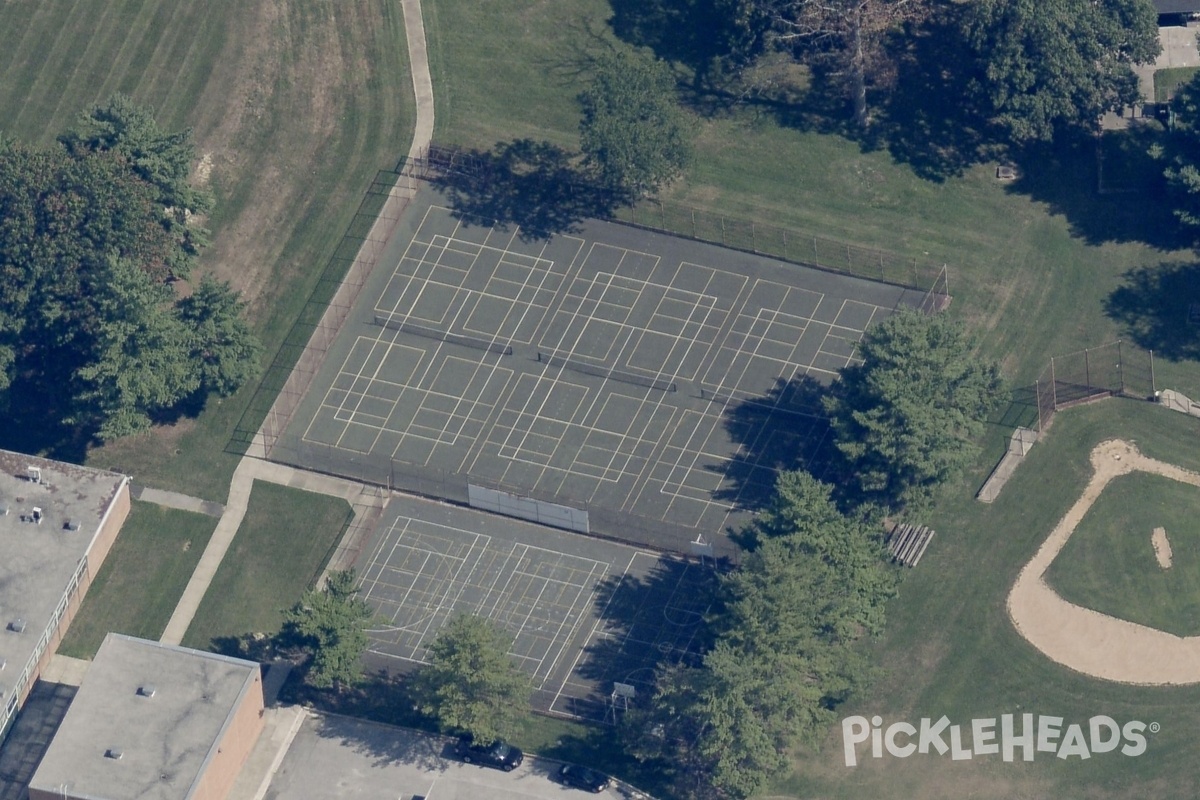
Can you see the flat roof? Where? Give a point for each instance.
(164, 740)
(1177, 6)
(37, 561)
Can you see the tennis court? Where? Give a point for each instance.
(584, 613)
(598, 371)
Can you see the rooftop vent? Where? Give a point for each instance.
(71, 525)
(34, 474)
(3, 509)
(17, 626)
(147, 690)
(115, 753)
(3, 664)
(38, 516)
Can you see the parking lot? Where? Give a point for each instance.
(338, 758)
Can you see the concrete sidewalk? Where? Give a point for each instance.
(367, 502)
(183, 502)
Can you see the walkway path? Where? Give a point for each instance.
(1086, 640)
(368, 502)
(183, 502)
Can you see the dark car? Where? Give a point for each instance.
(499, 754)
(583, 778)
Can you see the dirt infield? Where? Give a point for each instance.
(1085, 640)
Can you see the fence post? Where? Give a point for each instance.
(753, 238)
(1087, 371)
(1120, 368)
(662, 210)
(722, 229)
(816, 258)
(693, 223)
(1153, 385)
(1037, 400)
(785, 253)
(1053, 386)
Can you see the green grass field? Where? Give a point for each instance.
(1109, 562)
(300, 103)
(145, 573)
(950, 649)
(1166, 81)
(283, 543)
(1033, 266)
(296, 105)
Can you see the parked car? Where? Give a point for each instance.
(583, 778)
(499, 754)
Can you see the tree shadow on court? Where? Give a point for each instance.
(647, 621)
(783, 429)
(1159, 308)
(537, 186)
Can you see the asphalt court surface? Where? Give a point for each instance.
(584, 613)
(552, 383)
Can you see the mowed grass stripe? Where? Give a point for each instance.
(59, 104)
(172, 36)
(17, 31)
(31, 60)
(141, 21)
(189, 82)
(64, 54)
(149, 39)
(174, 53)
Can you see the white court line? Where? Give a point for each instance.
(591, 635)
(574, 609)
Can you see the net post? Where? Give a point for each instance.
(1087, 371)
(1153, 385)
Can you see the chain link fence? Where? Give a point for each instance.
(1115, 368)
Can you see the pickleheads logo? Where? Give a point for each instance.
(1047, 735)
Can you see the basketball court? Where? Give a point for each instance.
(585, 614)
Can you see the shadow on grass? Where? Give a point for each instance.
(1064, 177)
(1155, 305)
(784, 429)
(536, 186)
(703, 35)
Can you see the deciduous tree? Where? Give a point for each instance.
(785, 657)
(633, 133)
(852, 32)
(906, 419)
(331, 624)
(1043, 66)
(470, 684)
(160, 158)
(1181, 151)
(224, 351)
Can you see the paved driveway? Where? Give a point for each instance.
(1179, 49)
(337, 758)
